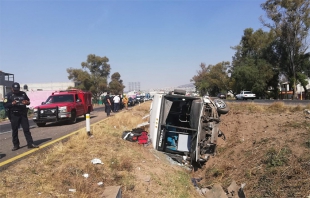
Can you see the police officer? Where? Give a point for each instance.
(108, 104)
(15, 102)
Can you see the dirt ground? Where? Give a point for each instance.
(266, 148)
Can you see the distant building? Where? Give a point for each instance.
(52, 86)
(6, 81)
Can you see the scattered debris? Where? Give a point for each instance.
(112, 191)
(100, 183)
(233, 191)
(96, 161)
(86, 175)
(217, 191)
(137, 135)
(307, 113)
(72, 190)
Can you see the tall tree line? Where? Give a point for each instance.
(263, 58)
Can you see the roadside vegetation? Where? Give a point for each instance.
(139, 170)
(267, 148)
(265, 58)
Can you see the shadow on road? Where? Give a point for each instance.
(2, 155)
(38, 142)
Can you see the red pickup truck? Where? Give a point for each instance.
(63, 105)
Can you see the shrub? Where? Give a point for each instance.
(2, 114)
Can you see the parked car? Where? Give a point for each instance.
(131, 101)
(221, 96)
(186, 127)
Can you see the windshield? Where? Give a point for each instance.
(59, 98)
(247, 92)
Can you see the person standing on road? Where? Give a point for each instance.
(107, 104)
(15, 102)
(116, 100)
(121, 106)
(125, 102)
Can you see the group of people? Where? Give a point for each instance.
(16, 101)
(115, 104)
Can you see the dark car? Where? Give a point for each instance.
(131, 101)
(221, 96)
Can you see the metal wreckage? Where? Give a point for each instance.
(186, 128)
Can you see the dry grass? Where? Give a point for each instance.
(53, 172)
(276, 107)
(272, 164)
(268, 149)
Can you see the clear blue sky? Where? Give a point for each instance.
(159, 43)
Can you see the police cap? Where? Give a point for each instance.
(16, 86)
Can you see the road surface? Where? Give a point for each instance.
(42, 136)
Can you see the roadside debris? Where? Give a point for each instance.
(72, 190)
(136, 135)
(233, 191)
(96, 161)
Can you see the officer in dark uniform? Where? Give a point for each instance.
(15, 102)
(108, 103)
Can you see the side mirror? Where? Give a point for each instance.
(42, 103)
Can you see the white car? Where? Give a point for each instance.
(244, 95)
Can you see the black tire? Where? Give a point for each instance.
(41, 124)
(88, 112)
(73, 117)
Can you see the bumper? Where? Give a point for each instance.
(44, 119)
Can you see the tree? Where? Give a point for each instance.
(251, 68)
(212, 79)
(116, 85)
(200, 80)
(93, 75)
(290, 22)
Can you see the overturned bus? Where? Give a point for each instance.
(186, 128)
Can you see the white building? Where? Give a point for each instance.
(54, 86)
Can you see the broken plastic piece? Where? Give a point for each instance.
(96, 161)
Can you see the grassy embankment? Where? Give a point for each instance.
(271, 164)
(140, 171)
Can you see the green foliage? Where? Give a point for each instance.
(277, 158)
(290, 22)
(116, 85)
(251, 68)
(93, 75)
(212, 79)
(2, 114)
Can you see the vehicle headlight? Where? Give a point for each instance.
(62, 109)
(35, 110)
(220, 103)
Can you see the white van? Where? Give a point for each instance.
(185, 127)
